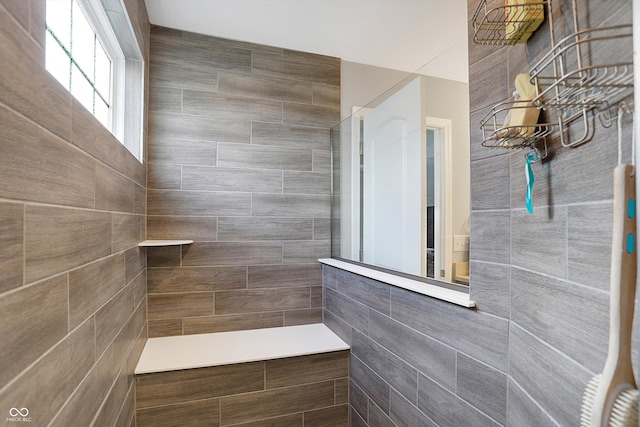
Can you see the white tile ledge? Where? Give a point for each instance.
(148, 243)
(226, 348)
(434, 291)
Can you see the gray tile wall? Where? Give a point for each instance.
(541, 281)
(72, 279)
(304, 391)
(238, 155)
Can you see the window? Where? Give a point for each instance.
(84, 52)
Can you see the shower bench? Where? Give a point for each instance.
(293, 375)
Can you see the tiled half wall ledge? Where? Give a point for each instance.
(450, 295)
(295, 375)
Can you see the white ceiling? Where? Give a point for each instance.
(397, 34)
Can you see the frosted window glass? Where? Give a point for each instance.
(101, 112)
(58, 63)
(82, 41)
(103, 72)
(81, 89)
(59, 20)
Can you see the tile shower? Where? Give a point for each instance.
(238, 160)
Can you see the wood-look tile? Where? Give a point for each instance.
(309, 138)
(46, 385)
(37, 21)
(231, 107)
(358, 400)
(177, 305)
(63, 175)
(379, 418)
(302, 317)
(316, 296)
(489, 178)
(547, 252)
(321, 229)
(285, 276)
(165, 153)
(429, 356)
(311, 115)
(387, 365)
(523, 411)
(165, 388)
(298, 66)
(183, 127)
(341, 387)
(85, 402)
(112, 317)
(271, 403)
(364, 380)
(35, 319)
(223, 179)
(306, 369)
(232, 253)
(201, 51)
(571, 318)
(322, 161)
(483, 387)
(140, 200)
(11, 245)
(108, 413)
(489, 84)
(340, 327)
(89, 135)
(305, 252)
(253, 228)
(290, 205)
(188, 414)
(326, 94)
(334, 416)
(196, 228)
(366, 291)
(232, 322)
(263, 157)
(293, 420)
(181, 75)
(356, 419)
(195, 279)
(197, 203)
(352, 312)
(482, 336)
(306, 182)
(26, 86)
(139, 288)
(165, 328)
(589, 244)
(260, 300)
(490, 234)
(80, 237)
(127, 231)
(19, 9)
(553, 380)
(165, 100)
(405, 414)
(135, 261)
(127, 415)
(264, 87)
(163, 256)
(92, 285)
(490, 289)
(164, 176)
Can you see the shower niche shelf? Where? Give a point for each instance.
(506, 22)
(151, 243)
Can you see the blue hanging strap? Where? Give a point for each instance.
(528, 172)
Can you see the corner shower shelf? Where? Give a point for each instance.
(148, 243)
(499, 24)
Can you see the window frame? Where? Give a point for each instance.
(112, 26)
